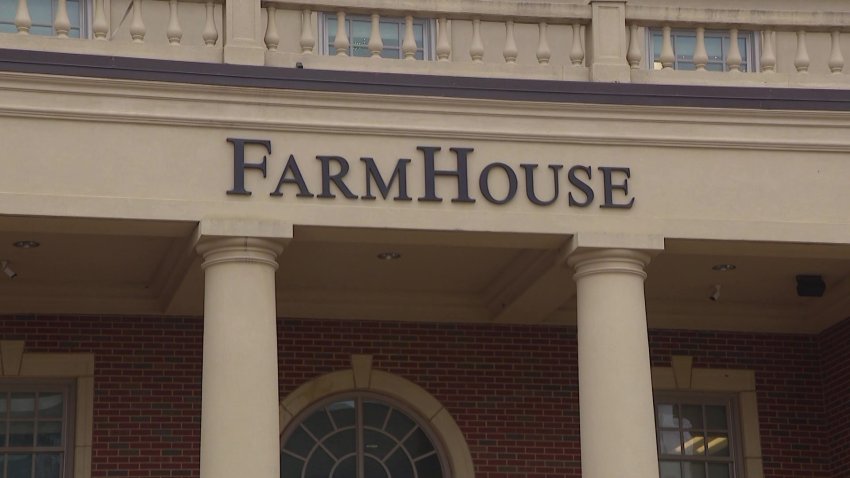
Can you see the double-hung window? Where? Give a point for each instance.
(42, 13)
(392, 30)
(36, 418)
(717, 44)
(696, 436)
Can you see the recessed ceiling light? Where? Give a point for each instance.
(27, 244)
(724, 267)
(389, 256)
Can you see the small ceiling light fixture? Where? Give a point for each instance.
(389, 256)
(28, 244)
(724, 267)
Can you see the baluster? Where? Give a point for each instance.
(23, 22)
(510, 51)
(408, 46)
(100, 27)
(341, 41)
(444, 48)
(476, 48)
(668, 56)
(544, 53)
(836, 59)
(272, 38)
(174, 31)
(62, 24)
(768, 57)
(733, 58)
(376, 43)
(307, 40)
(577, 51)
(634, 55)
(137, 26)
(801, 61)
(210, 33)
(700, 55)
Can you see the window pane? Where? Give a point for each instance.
(373, 469)
(691, 416)
(374, 414)
(21, 434)
(671, 443)
(390, 34)
(399, 425)
(665, 416)
(41, 12)
(419, 34)
(360, 31)
(23, 405)
(671, 469)
(48, 465)
(713, 46)
(342, 413)
(377, 444)
(694, 444)
(300, 443)
(719, 470)
(684, 47)
(399, 465)
(319, 423)
(694, 470)
(331, 28)
(50, 405)
(19, 466)
(8, 9)
(347, 468)
(290, 466)
(342, 443)
(49, 434)
(3, 433)
(716, 417)
(418, 444)
(429, 467)
(718, 445)
(319, 466)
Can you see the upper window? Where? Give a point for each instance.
(695, 436)
(42, 14)
(35, 423)
(359, 436)
(716, 45)
(359, 29)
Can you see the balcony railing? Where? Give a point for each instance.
(600, 41)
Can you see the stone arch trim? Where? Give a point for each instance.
(362, 377)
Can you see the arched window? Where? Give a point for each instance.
(360, 435)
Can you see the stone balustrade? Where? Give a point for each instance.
(604, 40)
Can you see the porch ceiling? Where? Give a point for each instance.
(149, 268)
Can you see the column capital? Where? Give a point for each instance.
(238, 249)
(602, 261)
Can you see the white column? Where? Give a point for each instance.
(615, 385)
(239, 407)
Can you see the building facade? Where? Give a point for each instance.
(432, 239)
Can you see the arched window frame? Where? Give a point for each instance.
(361, 377)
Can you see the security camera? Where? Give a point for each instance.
(8, 270)
(715, 296)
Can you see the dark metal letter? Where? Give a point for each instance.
(239, 165)
(484, 184)
(327, 177)
(529, 183)
(583, 186)
(374, 174)
(460, 173)
(610, 187)
(297, 179)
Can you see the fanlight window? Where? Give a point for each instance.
(359, 436)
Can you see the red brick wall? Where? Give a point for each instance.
(788, 386)
(147, 404)
(512, 390)
(835, 344)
